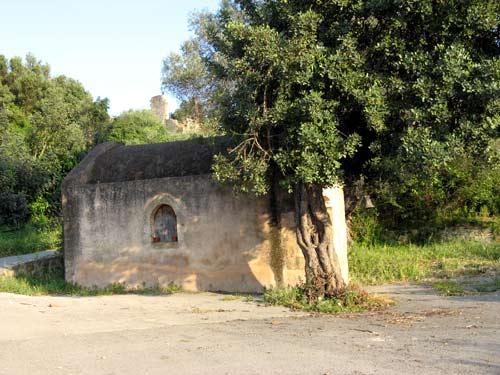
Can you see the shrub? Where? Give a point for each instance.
(13, 209)
(353, 299)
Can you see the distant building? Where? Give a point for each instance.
(159, 106)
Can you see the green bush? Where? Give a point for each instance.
(366, 228)
(22, 182)
(46, 124)
(39, 211)
(436, 188)
(352, 300)
(136, 127)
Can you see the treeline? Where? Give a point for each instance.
(47, 124)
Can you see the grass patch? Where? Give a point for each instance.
(29, 239)
(53, 283)
(466, 286)
(449, 288)
(383, 263)
(353, 300)
(238, 297)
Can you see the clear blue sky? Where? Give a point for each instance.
(114, 47)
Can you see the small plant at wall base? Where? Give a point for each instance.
(53, 283)
(353, 299)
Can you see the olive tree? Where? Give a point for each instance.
(320, 90)
(185, 76)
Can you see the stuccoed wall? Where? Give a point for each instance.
(334, 198)
(225, 241)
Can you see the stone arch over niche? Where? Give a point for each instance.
(164, 225)
(151, 207)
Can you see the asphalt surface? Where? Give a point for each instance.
(215, 334)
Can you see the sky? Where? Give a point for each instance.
(115, 48)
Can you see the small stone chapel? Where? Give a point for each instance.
(152, 215)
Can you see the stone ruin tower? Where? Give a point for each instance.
(159, 106)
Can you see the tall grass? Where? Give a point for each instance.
(381, 263)
(29, 239)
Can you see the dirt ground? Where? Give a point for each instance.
(215, 334)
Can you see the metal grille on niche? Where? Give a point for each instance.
(164, 224)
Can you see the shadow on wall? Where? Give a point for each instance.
(224, 242)
(245, 260)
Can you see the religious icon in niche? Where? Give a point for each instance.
(164, 224)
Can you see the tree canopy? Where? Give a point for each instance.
(185, 75)
(323, 91)
(136, 127)
(46, 123)
(319, 86)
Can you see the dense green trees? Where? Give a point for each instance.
(46, 123)
(135, 127)
(405, 93)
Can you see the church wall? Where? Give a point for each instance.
(225, 241)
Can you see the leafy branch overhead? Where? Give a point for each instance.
(327, 91)
(321, 93)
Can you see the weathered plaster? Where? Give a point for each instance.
(225, 241)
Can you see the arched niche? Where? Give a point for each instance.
(164, 225)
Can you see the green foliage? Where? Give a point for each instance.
(247, 172)
(449, 288)
(366, 228)
(186, 76)
(292, 297)
(13, 208)
(46, 124)
(467, 286)
(30, 238)
(136, 127)
(353, 300)
(39, 211)
(53, 283)
(404, 93)
(185, 111)
(20, 182)
(386, 262)
(450, 184)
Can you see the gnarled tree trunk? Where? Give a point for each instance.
(314, 236)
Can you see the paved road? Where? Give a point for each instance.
(207, 334)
